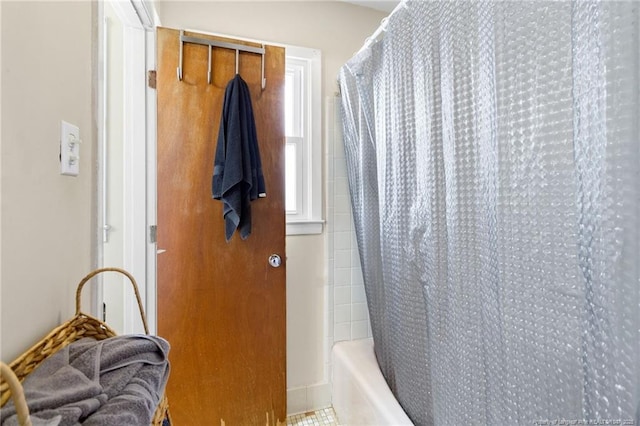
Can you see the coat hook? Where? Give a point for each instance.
(263, 81)
(209, 71)
(179, 70)
(226, 45)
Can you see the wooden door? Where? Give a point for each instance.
(220, 305)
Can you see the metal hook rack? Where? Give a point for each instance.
(225, 45)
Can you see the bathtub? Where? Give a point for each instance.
(360, 394)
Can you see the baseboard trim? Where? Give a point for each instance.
(308, 398)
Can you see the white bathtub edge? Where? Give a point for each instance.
(360, 394)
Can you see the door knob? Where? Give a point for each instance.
(275, 261)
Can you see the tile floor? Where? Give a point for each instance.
(323, 417)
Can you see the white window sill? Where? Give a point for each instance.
(307, 227)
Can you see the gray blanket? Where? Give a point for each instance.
(116, 381)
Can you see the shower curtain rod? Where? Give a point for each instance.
(223, 44)
(382, 27)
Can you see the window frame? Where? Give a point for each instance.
(307, 219)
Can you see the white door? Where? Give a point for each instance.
(126, 205)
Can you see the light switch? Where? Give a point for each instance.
(69, 149)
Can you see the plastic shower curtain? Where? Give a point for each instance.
(493, 154)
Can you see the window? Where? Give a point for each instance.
(303, 154)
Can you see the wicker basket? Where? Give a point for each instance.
(78, 327)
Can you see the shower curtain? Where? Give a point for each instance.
(494, 166)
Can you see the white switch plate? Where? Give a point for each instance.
(69, 149)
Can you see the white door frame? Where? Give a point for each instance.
(151, 183)
(139, 195)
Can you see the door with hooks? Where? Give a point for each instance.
(224, 45)
(220, 305)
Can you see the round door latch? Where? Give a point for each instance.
(275, 261)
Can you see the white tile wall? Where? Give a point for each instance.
(347, 317)
(348, 313)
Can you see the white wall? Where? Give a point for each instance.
(338, 30)
(47, 219)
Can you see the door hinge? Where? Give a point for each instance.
(104, 312)
(153, 234)
(151, 78)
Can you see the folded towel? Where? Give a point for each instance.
(116, 381)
